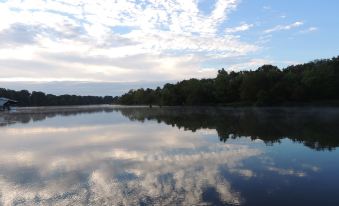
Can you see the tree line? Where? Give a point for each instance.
(35, 98)
(316, 82)
(313, 82)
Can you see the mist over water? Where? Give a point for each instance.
(169, 156)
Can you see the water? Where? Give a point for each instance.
(169, 156)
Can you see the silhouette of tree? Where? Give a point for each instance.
(26, 98)
(316, 82)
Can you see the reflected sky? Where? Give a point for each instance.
(168, 156)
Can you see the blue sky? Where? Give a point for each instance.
(113, 43)
(299, 44)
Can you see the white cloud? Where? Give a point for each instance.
(252, 64)
(267, 7)
(309, 30)
(284, 27)
(243, 27)
(170, 39)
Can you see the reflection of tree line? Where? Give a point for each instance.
(40, 114)
(317, 128)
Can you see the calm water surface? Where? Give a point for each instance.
(169, 156)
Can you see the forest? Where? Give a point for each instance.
(316, 82)
(25, 98)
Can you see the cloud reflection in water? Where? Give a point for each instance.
(115, 164)
(167, 156)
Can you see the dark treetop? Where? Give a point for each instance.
(25, 98)
(313, 83)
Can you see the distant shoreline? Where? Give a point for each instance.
(314, 83)
(113, 106)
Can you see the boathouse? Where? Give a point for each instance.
(5, 103)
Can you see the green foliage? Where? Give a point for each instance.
(25, 98)
(316, 81)
(268, 85)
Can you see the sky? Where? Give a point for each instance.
(106, 47)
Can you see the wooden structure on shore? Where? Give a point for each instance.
(5, 103)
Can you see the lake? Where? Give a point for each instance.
(113, 155)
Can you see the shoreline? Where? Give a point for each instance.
(72, 108)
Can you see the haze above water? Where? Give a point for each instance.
(169, 156)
